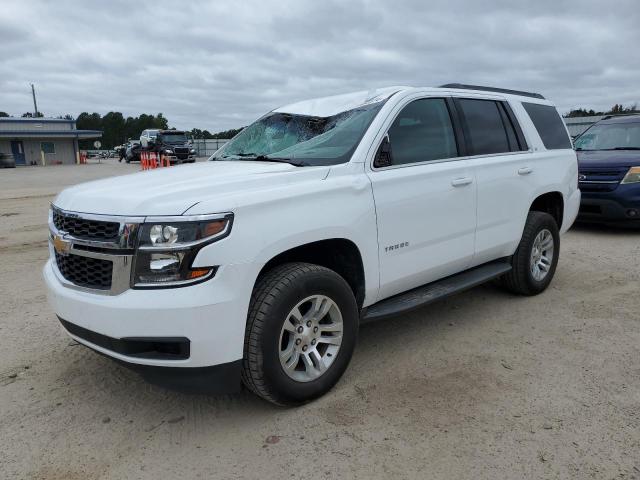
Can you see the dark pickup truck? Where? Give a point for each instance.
(174, 144)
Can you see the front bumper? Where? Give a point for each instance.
(223, 378)
(181, 158)
(211, 316)
(619, 205)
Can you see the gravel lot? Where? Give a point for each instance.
(482, 385)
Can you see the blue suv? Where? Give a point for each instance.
(609, 170)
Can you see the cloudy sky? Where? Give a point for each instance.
(217, 65)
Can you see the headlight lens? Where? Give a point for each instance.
(176, 233)
(168, 247)
(632, 176)
(192, 151)
(168, 151)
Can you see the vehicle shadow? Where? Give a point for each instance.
(106, 383)
(606, 229)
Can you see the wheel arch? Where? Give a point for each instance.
(551, 203)
(338, 254)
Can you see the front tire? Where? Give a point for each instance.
(535, 261)
(301, 332)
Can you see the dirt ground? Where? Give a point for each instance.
(482, 385)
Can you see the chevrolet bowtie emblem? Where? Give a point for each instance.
(60, 245)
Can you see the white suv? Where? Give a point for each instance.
(261, 263)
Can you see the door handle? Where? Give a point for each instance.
(461, 182)
(525, 170)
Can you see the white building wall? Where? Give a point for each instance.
(64, 150)
(28, 125)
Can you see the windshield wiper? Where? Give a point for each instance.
(265, 158)
(624, 148)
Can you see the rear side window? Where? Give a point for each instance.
(489, 127)
(549, 125)
(422, 131)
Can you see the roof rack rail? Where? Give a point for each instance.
(613, 115)
(492, 89)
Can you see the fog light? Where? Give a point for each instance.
(632, 212)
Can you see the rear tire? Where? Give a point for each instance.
(275, 366)
(535, 261)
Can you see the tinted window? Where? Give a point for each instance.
(423, 131)
(515, 138)
(486, 127)
(48, 147)
(549, 125)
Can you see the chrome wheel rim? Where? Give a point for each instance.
(542, 255)
(310, 338)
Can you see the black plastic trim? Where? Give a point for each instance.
(457, 122)
(217, 379)
(516, 125)
(156, 348)
(437, 290)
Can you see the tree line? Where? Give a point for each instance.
(117, 130)
(617, 109)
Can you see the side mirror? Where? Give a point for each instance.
(384, 156)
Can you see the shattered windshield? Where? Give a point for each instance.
(301, 139)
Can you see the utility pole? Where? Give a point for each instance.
(35, 105)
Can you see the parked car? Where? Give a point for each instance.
(609, 164)
(132, 153)
(7, 160)
(261, 263)
(173, 144)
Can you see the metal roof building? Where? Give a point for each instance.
(577, 125)
(42, 141)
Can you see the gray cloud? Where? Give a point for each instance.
(219, 65)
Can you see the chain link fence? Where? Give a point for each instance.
(207, 147)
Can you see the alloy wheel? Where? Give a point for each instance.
(310, 338)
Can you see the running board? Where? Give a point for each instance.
(437, 290)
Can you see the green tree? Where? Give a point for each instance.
(116, 130)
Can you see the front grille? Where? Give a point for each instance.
(600, 179)
(182, 156)
(181, 150)
(85, 229)
(85, 272)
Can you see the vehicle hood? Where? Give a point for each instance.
(609, 158)
(174, 190)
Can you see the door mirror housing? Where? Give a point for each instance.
(384, 156)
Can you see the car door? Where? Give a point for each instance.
(504, 172)
(425, 199)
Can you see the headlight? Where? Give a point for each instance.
(168, 151)
(192, 151)
(169, 245)
(632, 176)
